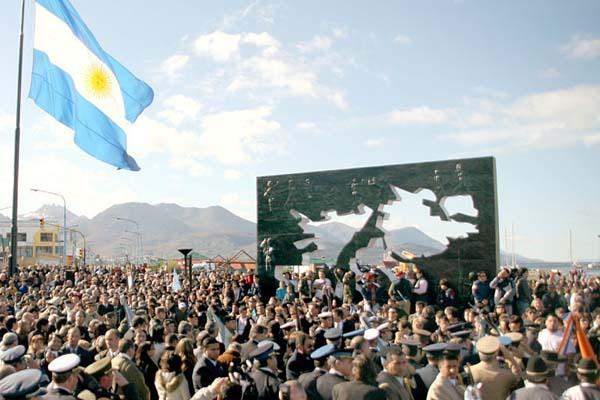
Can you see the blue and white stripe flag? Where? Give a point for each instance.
(82, 86)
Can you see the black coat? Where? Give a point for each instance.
(325, 384)
(205, 372)
(298, 364)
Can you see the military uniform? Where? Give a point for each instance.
(267, 383)
(22, 384)
(428, 374)
(57, 393)
(61, 365)
(326, 382)
(357, 391)
(496, 382)
(308, 381)
(445, 389)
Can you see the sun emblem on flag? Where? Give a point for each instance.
(97, 81)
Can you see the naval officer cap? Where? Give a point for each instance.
(333, 333)
(326, 314)
(371, 334)
(330, 350)
(461, 334)
(352, 334)
(12, 355)
(435, 350)
(99, 368)
(21, 385)
(263, 351)
(65, 363)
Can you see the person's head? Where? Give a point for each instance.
(482, 276)
(552, 323)
(396, 363)
(145, 352)
(212, 348)
(73, 337)
(304, 343)
(127, 347)
(363, 370)
(449, 366)
(419, 306)
(259, 332)
(587, 371)
(342, 364)
(170, 362)
(230, 391)
(111, 338)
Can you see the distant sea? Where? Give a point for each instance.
(563, 267)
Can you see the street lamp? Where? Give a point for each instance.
(187, 263)
(139, 243)
(137, 226)
(64, 219)
(134, 245)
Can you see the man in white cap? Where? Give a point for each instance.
(64, 377)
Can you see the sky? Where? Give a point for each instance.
(246, 89)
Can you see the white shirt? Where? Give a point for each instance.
(420, 286)
(550, 341)
(575, 393)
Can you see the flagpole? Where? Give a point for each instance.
(14, 236)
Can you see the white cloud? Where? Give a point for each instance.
(375, 143)
(218, 45)
(174, 64)
(317, 43)
(178, 108)
(262, 40)
(225, 47)
(238, 137)
(243, 206)
(339, 33)
(232, 174)
(547, 119)
(582, 47)
(402, 39)
(419, 115)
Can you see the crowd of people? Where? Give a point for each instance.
(103, 332)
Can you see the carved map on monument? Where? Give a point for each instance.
(456, 196)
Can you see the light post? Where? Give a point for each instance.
(64, 252)
(137, 227)
(133, 245)
(139, 239)
(187, 263)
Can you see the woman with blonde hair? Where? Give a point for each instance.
(170, 382)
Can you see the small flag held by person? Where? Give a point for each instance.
(83, 87)
(176, 285)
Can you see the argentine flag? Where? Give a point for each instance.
(82, 86)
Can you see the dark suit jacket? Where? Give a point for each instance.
(325, 384)
(393, 388)
(357, 391)
(308, 381)
(85, 356)
(267, 384)
(298, 364)
(205, 372)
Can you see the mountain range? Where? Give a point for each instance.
(214, 231)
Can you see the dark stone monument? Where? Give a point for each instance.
(280, 199)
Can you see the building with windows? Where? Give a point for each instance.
(37, 242)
